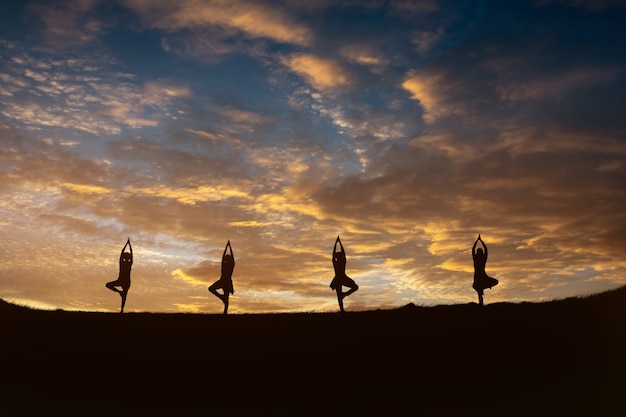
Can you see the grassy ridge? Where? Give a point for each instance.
(557, 358)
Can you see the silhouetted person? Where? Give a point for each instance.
(123, 280)
(226, 279)
(341, 279)
(481, 279)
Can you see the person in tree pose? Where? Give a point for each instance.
(123, 280)
(481, 279)
(226, 279)
(341, 279)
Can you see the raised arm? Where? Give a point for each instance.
(226, 249)
(130, 247)
(123, 249)
(230, 247)
(474, 247)
(335, 247)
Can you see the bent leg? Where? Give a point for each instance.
(213, 290)
(111, 285)
(491, 282)
(353, 288)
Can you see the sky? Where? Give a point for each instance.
(405, 127)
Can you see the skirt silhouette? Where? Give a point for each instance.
(343, 280)
(225, 284)
(482, 282)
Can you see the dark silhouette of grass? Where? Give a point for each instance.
(564, 357)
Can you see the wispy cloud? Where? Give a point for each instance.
(555, 85)
(250, 18)
(72, 92)
(426, 40)
(69, 22)
(366, 56)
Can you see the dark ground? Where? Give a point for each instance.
(532, 359)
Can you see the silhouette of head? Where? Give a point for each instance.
(479, 251)
(126, 257)
(340, 256)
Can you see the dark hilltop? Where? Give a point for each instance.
(564, 357)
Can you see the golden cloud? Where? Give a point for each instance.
(190, 307)
(180, 275)
(253, 19)
(86, 189)
(191, 196)
(425, 89)
(287, 202)
(250, 223)
(322, 73)
(364, 56)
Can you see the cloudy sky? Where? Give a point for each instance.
(405, 127)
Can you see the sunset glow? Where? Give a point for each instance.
(405, 127)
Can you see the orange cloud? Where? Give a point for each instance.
(87, 189)
(181, 275)
(191, 196)
(254, 19)
(278, 203)
(364, 56)
(321, 73)
(429, 91)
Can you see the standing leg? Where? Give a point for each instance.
(340, 296)
(480, 298)
(225, 300)
(123, 293)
